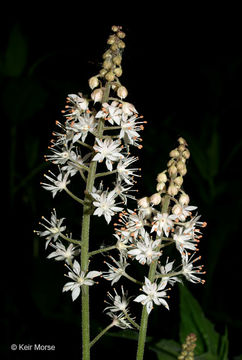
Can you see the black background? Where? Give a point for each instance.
(186, 81)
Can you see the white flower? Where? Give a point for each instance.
(119, 320)
(189, 271)
(53, 228)
(83, 124)
(123, 192)
(128, 109)
(119, 303)
(162, 222)
(59, 182)
(153, 294)
(109, 150)
(181, 212)
(129, 128)
(63, 253)
(124, 173)
(80, 278)
(167, 270)
(112, 113)
(105, 204)
(115, 272)
(60, 155)
(144, 250)
(184, 240)
(77, 106)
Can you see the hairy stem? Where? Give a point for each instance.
(85, 242)
(145, 315)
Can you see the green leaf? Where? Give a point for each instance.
(166, 349)
(194, 321)
(16, 54)
(224, 346)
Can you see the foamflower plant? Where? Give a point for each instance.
(94, 144)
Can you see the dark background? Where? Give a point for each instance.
(186, 82)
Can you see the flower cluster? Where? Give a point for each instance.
(93, 142)
(161, 220)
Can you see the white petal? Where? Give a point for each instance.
(140, 298)
(75, 293)
(93, 274)
(76, 267)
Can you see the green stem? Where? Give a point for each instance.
(74, 196)
(111, 247)
(87, 210)
(132, 279)
(145, 315)
(131, 320)
(78, 242)
(85, 145)
(101, 334)
(106, 173)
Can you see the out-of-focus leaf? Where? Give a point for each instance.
(193, 320)
(16, 54)
(224, 346)
(213, 154)
(128, 334)
(166, 349)
(22, 98)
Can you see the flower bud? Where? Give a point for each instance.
(118, 71)
(172, 189)
(115, 28)
(177, 209)
(128, 109)
(122, 92)
(107, 54)
(93, 82)
(160, 186)
(107, 64)
(121, 44)
(111, 39)
(178, 181)
(172, 170)
(181, 148)
(102, 72)
(161, 177)
(114, 47)
(182, 141)
(186, 154)
(121, 34)
(109, 76)
(180, 165)
(170, 162)
(184, 199)
(144, 202)
(117, 60)
(183, 171)
(174, 153)
(155, 199)
(97, 95)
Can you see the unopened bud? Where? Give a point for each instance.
(110, 76)
(178, 181)
(111, 39)
(93, 82)
(144, 202)
(155, 199)
(181, 148)
(102, 72)
(97, 95)
(177, 209)
(128, 109)
(184, 199)
(182, 141)
(114, 47)
(174, 153)
(172, 170)
(172, 189)
(161, 177)
(121, 34)
(186, 154)
(121, 44)
(117, 60)
(183, 171)
(160, 186)
(118, 71)
(115, 28)
(107, 64)
(122, 92)
(180, 165)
